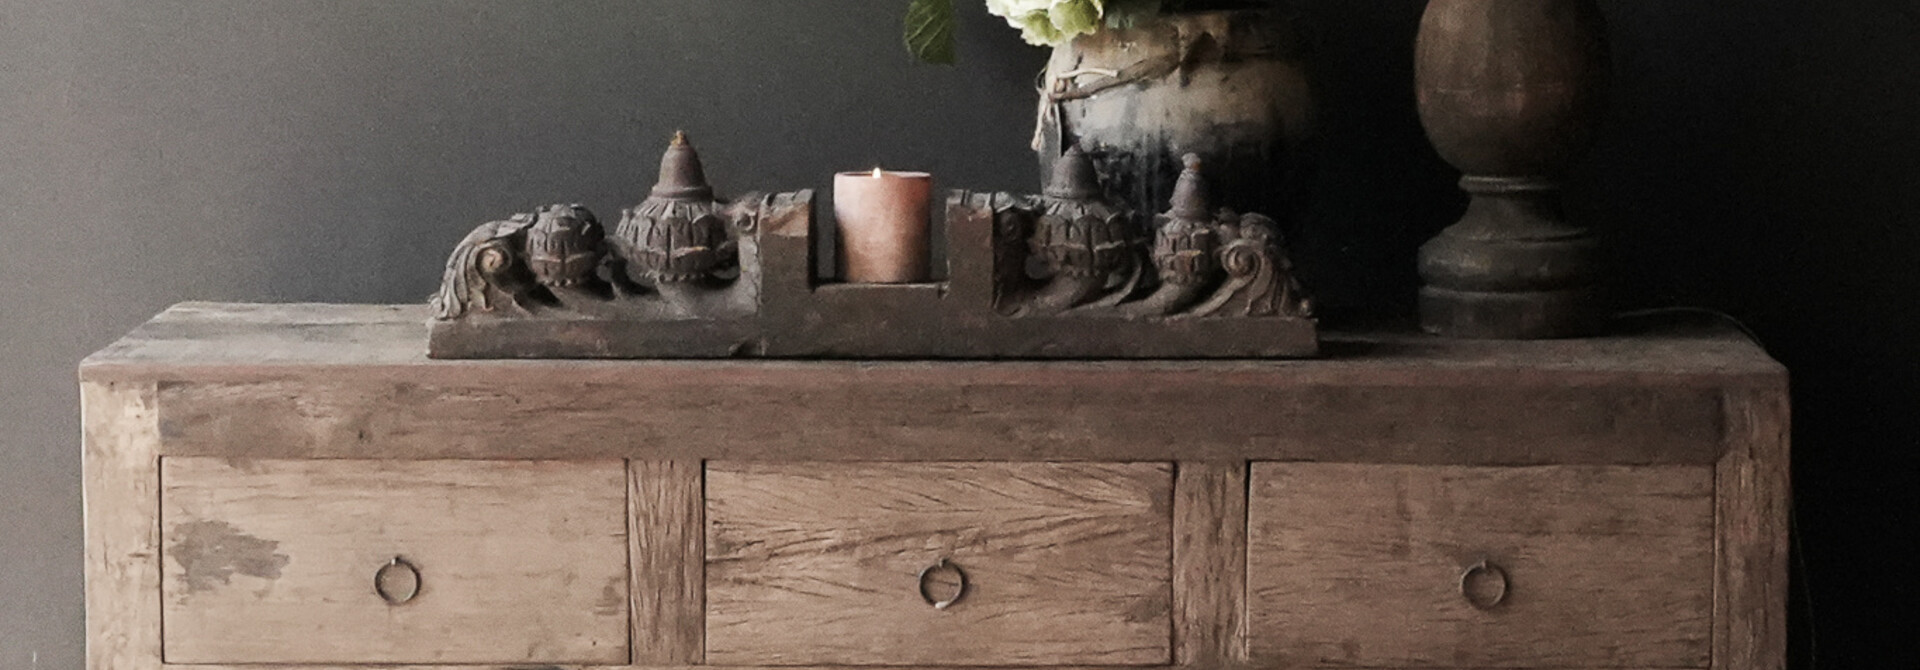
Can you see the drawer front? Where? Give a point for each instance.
(393, 562)
(1381, 566)
(821, 564)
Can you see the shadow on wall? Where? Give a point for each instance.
(1763, 160)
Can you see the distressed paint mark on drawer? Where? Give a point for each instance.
(369, 562)
(209, 553)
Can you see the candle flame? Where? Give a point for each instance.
(876, 173)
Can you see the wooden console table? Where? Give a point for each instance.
(298, 486)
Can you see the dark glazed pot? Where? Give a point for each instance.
(1510, 92)
(1230, 87)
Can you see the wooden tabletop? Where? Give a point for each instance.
(228, 341)
(329, 381)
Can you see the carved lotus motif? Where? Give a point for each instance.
(1087, 245)
(1184, 250)
(565, 246)
(681, 244)
(1078, 234)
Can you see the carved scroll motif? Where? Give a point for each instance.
(1259, 275)
(486, 271)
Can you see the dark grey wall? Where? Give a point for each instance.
(1760, 159)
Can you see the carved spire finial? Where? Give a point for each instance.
(1190, 192)
(1073, 177)
(677, 235)
(681, 175)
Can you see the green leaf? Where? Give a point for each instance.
(929, 31)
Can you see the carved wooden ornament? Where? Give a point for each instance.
(1063, 274)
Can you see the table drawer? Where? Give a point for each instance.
(358, 562)
(1381, 566)
(822, 564)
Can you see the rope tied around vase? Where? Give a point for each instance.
(1056, 89)
(1195, 39)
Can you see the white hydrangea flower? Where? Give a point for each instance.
(1050, 22)
(1013, 8)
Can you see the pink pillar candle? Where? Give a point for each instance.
(883, 219)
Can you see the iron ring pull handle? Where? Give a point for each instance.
(397, 582)
(926, 593)
(1489, 570)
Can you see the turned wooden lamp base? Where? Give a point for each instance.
(1481, 315)
(1510, 92)
(1513, 268)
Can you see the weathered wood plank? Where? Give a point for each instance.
(332, 381)
(813, 563)
(121, 494)
(268, 336)
(1362, 565)
(276, 561)
(215, 341)
(809, 667)
(1209, 563)
(359, 666)
(943, 412)
(1753, 483)
(669, 569)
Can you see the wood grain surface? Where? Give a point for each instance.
(705, 667)
(1361, 565)
(1754, 481)
(668, 550)
(1210, 564)
(274, 561)
(812, 563)
(210, 341)
(736, 667)
(958, 411)
(121, 494)
(315, 381)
